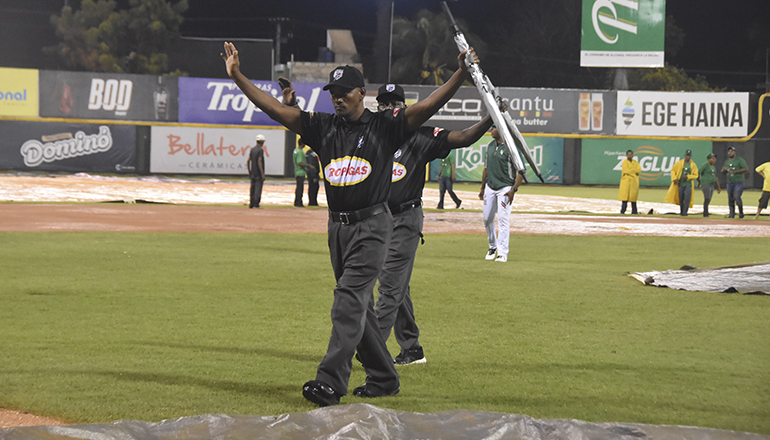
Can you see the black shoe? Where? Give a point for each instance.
(458, 204)
(320, 393)
(411, 356)
(369, 390)
(740, 215)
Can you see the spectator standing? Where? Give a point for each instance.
(707, 180)
(735, 168)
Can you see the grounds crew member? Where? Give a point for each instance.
(684, 173)
(764, 171)
(313, 178)
(355, 147)
(629, 183)
(707, 179)
(735, 168)
(394, 307)
(498, 186)
(298, 158)
(256, 167)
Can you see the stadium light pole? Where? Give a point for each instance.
(390, 40)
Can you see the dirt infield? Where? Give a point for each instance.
(9, 418)
(172, 205)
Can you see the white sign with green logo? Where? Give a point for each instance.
(623, 33)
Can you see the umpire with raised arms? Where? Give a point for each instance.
(356, 150)
(394, 308)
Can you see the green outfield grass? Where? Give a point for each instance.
(104, 326)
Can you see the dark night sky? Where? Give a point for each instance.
(716, 44)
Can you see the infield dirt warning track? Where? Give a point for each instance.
(172, 205)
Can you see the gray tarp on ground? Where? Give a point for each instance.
(750, 278)
(361, 421)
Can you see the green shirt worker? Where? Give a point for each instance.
(735, 168)
(707, 179)
(299, 171)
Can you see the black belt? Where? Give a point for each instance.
(406, 206)
(350, 217)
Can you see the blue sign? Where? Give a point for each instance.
(220, 101)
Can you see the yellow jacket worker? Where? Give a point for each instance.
(683, 176)
(629, 183)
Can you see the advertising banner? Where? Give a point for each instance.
(108, 96)
(686, 114)
(547, 153)
(220, 101)
(46, 146)
(18, 92)
(623, 33)
(601, 159)
(193, 150)
(533, 110)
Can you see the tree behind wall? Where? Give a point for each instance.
(99, 38)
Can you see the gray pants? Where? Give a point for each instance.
(255, 193)
(685, 192)
(357, 254)
(394, 305)
(708, 192)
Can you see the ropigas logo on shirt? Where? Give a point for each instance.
(347, 171)
(399, 172)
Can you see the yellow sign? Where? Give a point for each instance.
(18, 92)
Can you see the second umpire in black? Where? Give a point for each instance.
(394, 308)
(356, 150)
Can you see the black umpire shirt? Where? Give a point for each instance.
(409, 161)
(357, 157)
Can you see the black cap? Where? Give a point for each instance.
(390, 92)
(688, 153)
(730, 148)
(345, 76)
(711, 155)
